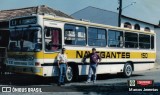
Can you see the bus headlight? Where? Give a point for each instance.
(37, 64)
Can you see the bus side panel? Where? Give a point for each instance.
(50, 65)
(102, 69)
(143, 66)
(50, 71)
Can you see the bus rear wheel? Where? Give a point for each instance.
(127, 70)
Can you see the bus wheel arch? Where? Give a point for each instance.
(130, 62)
(72, 72)
(128, 69)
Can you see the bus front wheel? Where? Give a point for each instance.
(72, 73)
(127, 70)
(69, 74)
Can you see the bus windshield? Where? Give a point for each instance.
(25, 39)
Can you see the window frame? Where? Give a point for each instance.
(127, 25)
(131, 41)
(51, 51)
(147, 29)
(137, 26)
(144, 42)
(116, 40)
(97, 30)
(76, 34)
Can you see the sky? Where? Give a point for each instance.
(145, 10)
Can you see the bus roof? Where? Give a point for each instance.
(79, 22)
(93, 24)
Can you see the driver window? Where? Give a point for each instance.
(52, 39)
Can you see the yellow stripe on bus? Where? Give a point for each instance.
(73, 54)
(109, 54)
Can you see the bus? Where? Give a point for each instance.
(36, 40)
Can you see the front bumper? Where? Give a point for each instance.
(25, 70)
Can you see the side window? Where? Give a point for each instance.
(137, 27)
(152, 42)
(74, 35)
(96, 37)
(131, 40)
(144, 41)
(147, 29)
(52, 39)
(115, 38)
(127, 25)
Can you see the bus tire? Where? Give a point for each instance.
(71, 73)
(127, 70)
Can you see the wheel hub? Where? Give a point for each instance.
(69, 74)
(128, 70)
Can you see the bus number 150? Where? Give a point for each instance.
(144, 55)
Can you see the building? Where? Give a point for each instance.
(102, 16)
(42, 9)
(132, 23)
(97, 15)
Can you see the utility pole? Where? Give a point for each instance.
(120, 13)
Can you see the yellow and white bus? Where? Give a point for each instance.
(36, 40)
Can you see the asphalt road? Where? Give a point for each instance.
(105, 85)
